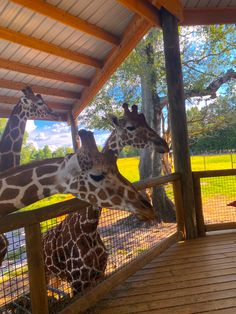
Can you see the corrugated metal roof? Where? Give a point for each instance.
(108, 15)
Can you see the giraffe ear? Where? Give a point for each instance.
(113, 119)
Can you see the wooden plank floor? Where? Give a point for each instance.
(196, 276)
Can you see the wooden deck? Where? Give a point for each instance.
(197, 276)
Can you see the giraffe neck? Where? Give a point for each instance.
(38, 180)
(12, 138)
(114, 143)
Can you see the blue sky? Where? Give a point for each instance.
(56, 134)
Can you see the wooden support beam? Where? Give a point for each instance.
(44, 46)
(42, 72)
(137, 28)
(39, 89)
(144, 9)
(11, 100)
(178, 119)
(207, 16)
(68, 19)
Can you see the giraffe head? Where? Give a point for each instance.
(34, 106)
(103, 185)
(133, 130)
(89, 173)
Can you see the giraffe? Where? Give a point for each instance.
(89, 173)
(73, 249)
(30, 106)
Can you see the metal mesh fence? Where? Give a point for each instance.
(14, 279)
(124, 236)
(216, 193)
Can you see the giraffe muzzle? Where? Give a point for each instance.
(145, 211)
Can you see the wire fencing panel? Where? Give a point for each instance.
(124, 236)
(14, 278)
(216, 193)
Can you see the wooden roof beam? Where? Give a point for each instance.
(144, 9)
(39, 89)
(12, 100)
(44, 46)
(42, 72)
(68, 19)
(137, 28)
(207, 16)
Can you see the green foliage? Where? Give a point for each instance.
(30, 153)
(207, 53)
(3, 122)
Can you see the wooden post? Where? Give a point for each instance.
(37, 282)
(74, 132)
(178, 117)
(179, 208)
(198, 204)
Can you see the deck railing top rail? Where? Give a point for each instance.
(214, 173)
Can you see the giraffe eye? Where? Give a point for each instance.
(97, 178)
(131, 128)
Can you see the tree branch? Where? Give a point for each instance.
(210, 90)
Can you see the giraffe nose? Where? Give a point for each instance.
(161, 145)
(146, 210)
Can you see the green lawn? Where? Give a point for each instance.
(129, 169)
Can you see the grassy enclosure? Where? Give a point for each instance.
(129, 169)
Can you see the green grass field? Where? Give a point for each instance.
(129, 169)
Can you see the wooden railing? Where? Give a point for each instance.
(31, 220)
(201, 225)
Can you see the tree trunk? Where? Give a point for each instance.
(151, 161)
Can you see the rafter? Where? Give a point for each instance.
(44, 46)
(68, 19)
(11, 100)
(39, 89)
(137, 28)
(207, 16)
(144, 9)
(42, 72)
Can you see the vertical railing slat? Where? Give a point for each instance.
(177, 188)
(37, 281)
(198, 206)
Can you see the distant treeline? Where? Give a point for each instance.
(220, 141)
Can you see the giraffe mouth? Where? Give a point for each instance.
(146, 211)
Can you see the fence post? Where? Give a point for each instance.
(198, 206)
(177, 188)
(37, 281)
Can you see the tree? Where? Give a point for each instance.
(207, 68)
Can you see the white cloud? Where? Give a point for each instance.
(57, 134)
(30, 126)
